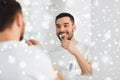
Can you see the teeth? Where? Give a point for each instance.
(63, 34)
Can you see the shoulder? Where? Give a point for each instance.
(85, 49)
(83, 46)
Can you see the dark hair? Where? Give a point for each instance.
(8, 11)
(65, 15)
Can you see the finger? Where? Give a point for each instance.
(29, 43)
(64, 46)
(34, 41)
(66, 42)
(65, 37)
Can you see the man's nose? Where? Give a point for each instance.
(62, 29)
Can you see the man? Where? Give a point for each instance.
(18, 61)
(73, 56)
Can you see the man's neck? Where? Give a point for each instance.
(4, 36)
(74, 40)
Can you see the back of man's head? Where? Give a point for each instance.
(8, 11)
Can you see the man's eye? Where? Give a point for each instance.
(65, 25)
(58, 26)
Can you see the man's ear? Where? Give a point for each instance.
(74, 27)
(19, 19)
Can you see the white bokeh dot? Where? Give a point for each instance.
(11, 59)
(0, 71)
(22, 64)
(108, 78)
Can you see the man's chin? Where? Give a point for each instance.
(70, 38)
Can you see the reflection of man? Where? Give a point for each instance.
(73, 57)
(18, 61)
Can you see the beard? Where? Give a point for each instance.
(21, 36)
(22, 31)
(70, 36)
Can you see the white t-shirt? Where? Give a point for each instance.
(18, 61)
(66, 62)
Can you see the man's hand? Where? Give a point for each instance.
(68, 45)
(33, 42)
(59, 75)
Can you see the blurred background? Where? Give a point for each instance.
(98, 24)
(40, 19)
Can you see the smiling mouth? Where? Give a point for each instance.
(63, 33)
(61, 36)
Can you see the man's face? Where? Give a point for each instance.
(65, 27)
